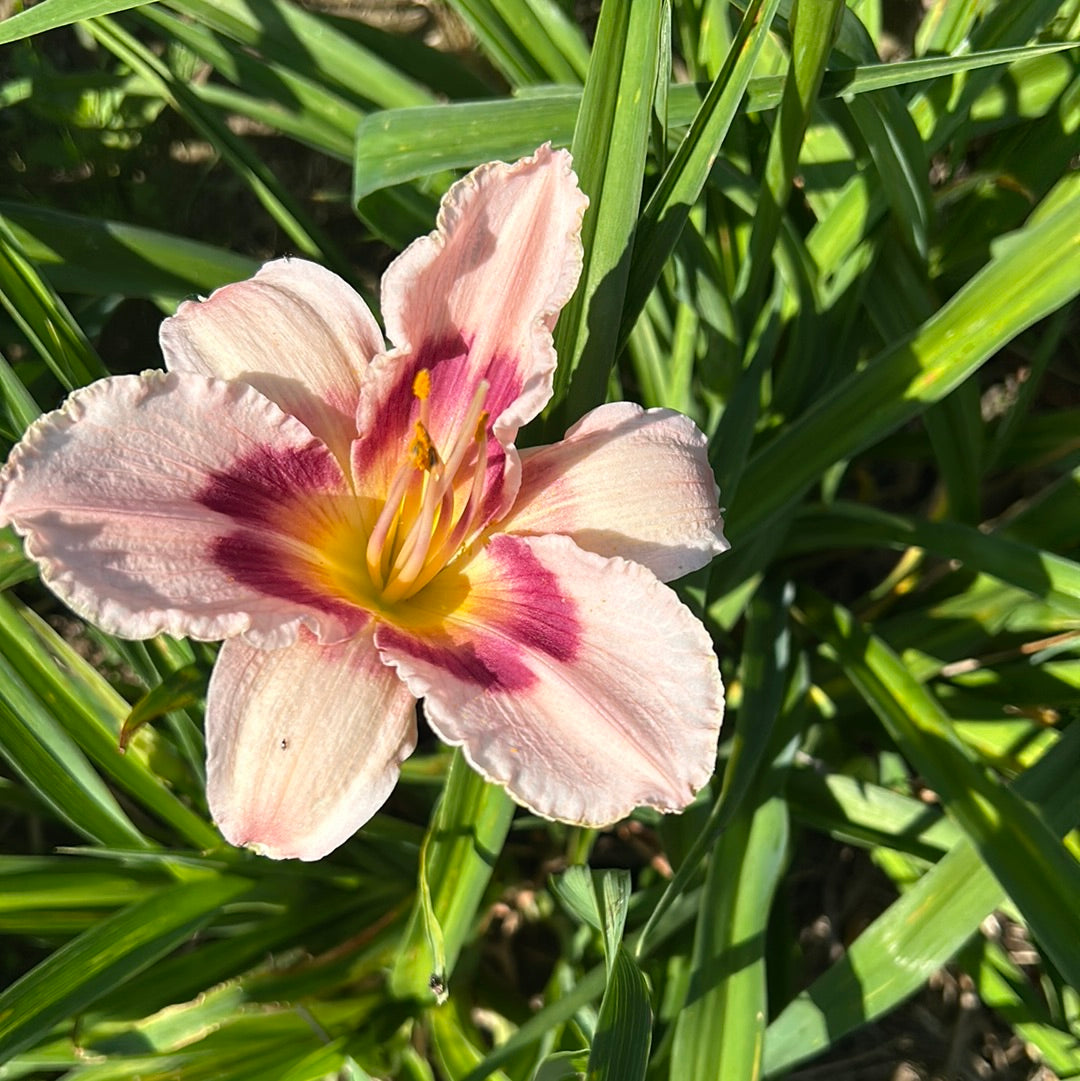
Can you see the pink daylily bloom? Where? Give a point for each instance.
(357, 524)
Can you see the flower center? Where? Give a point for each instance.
(433, 502)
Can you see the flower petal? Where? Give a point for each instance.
(173, 502)
(295, 331)
(625, 481)
(303, 743)
(481, 294)
(580, 683)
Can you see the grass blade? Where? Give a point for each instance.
(1035, 273)
(52, 14)
(466, 835)
(113, 951)
(665, 214)
(610, 149)
(1040, 875)
(918, 933)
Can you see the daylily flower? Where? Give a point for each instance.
(356, 523)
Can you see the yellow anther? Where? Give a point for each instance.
(481, 427)
(422, 450)
(421, 384)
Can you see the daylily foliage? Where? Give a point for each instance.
(357, 524)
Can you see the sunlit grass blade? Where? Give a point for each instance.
(20, 410)
(44, 318)
(1053, 578)
(666, 212)
(78, 973)
(765, 666)
(52, 14)
(610, 149)
(38, 749)
(621, 1041)
(939, 116)
(288, 101)
(395, 146)
(1037, 272)
(859, 812)
(90, 712)
(529, 41)
(720, 1030)
(921, 931)
(178, 690)
(620, 1050)
(56, 897)
(14, 566)
(1012, 836)
(1005, 988)
(813, 28)
(465, 837)
(900, 163)
(309, 45)
(96, 257)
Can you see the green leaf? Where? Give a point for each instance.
(720, 1030)
(397, 145)
(282, 207)
(766, 658)
(1050, 577)
(178, 690)
(665, 214)
(575, 890)
(859, 812)
(52, 14)
(1033, 274)
(44, 755)
(310, 45)
(466, 835)
(394, 146)
(620, 1049)
(93, 256)
(529, 41)
(610, 149)
(44, 318)
(1012, 836)
(814, 25)
(84, 708)
(109, 953)
(918, 933)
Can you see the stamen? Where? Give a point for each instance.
(418, 530)
(421, 388)
(465, 434)
(461, 532)
(423, 457)
(422, 450)
(380, 540)
(421, 384)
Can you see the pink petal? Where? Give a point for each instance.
(173, 502)
(295, 331)
(580, 683)
(481, 294)
(303, 743)
(628, 482)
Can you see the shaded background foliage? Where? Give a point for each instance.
(859, 279)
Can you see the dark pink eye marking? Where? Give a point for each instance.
(261, 484)
(535, 618)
